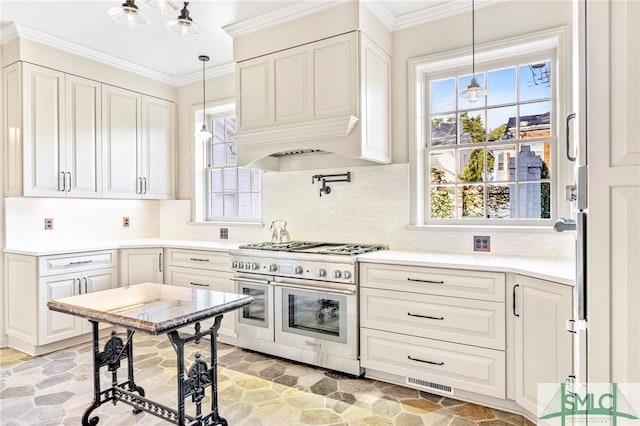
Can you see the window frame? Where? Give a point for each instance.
(491, 55)
(200, 204)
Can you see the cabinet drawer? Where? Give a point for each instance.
(473, 322)
(218, 261)
(444, 282)
(72, 262)
(446, 364)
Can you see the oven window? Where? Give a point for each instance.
(314, 314)
(257, 309)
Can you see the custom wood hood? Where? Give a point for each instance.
(330, 94)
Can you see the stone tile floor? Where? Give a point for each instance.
(254, 390)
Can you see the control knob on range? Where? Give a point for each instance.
(347, 275)
(254, 266)
(298, 270)
(234, 264)
(322, 272)
(273, 267)
(337, 274)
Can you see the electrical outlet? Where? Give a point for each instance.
(48, 223)
(481, 243)
(224, 233)
(125, 222)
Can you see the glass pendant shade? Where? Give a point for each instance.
(203, 134)
(129, 15)
(184, 25)
(162, 6)
(473, 91)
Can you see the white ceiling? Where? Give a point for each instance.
(84, 27)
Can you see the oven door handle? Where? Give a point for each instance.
(317, 289)
(251, 280)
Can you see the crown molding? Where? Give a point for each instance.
(381, 12)
(434, 13)
(12, 31)
(280, 16)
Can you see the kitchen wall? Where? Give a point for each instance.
(77, 221)
(372, 208)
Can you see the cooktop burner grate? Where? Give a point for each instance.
(314, 247)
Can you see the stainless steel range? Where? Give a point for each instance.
(305, 301)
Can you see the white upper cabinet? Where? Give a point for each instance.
(60, 133)
(332, 94)
(138, 145)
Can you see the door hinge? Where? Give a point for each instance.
(573, 326)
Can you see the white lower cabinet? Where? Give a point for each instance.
(439, 330)
(58, 326)
(141, 265)
(206, 270)
(543, 350)
(31, 281)
(435, 364)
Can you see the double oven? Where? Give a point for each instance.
(305, 304)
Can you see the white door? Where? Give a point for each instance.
(613, 149)
(158, 147)
(55, 326)
(121, 118)
(254, 86)
(82, 156)
(43, 130)
(141, 266)
(543, 345)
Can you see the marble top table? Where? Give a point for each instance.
(149, 307)
(156, 309)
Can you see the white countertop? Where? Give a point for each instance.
(557, 270)
(61, 248)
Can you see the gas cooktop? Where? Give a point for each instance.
(314, 247)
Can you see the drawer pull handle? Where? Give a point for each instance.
(195, 259)
(426, 362)
(425, 316)
(79, 262)
(514, 300)
(199, 285)
(425, 281)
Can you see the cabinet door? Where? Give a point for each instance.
(12, 107)
(207, 280)
(140, 266)
(54, 326)
(120, 142)
(98, 280)
(158, 147)
(83, 159)
(293, 86)
(255, 93)
(335, 72)
(43, 131)
(543, 345)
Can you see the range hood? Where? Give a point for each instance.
(341, 135)
(318, 83)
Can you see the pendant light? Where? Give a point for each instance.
(203, 133)
(129, 15)
(183, 25)
(473, 91)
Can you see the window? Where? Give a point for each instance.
(232, 193)
(493, 161)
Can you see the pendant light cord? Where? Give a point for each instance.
(473, 38)
(204, 114)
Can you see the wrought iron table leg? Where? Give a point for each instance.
(199, 376)
(132, 383)
(86, 421)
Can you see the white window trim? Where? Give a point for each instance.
(212, 110)
(553, 39)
